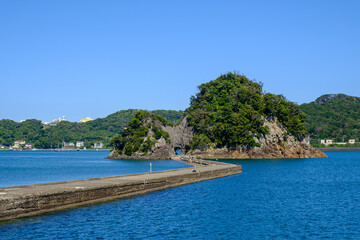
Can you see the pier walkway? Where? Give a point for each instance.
(29, 200)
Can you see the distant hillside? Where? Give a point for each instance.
(329, 97)
(333, 116)
(170, 115)
(101, 129)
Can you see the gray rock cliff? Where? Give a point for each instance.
(180, 136)
(276, 144)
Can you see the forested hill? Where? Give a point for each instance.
(101, 129)
(230, 111)
(333, 116)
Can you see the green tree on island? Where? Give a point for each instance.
(230, 111)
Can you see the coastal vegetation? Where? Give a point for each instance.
(100, 130)
(335, 117)
(141, 134)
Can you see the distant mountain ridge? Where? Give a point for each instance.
(329, 97)
(333, 116)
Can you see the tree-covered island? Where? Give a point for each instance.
(229, 117)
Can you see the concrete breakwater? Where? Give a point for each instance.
(30, 200)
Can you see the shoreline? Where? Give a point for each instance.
(334, 149)
(56, 150)
(31, 200)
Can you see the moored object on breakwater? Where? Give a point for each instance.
(30, 200)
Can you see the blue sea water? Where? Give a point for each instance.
(272, 199)
(30, 167)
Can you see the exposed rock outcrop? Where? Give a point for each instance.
(329, 97)
(273, 145)
(180, 139)
(180, 136)
(161, 150)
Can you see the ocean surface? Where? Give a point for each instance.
(30, 167)
(272, 199)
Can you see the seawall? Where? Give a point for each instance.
(333, 149)
(30, 200)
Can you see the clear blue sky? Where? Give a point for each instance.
(93, 58)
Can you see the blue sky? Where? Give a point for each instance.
(93, 58)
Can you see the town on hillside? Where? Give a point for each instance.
(79, 145)
(57, 121)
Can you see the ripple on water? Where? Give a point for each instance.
(283, 199)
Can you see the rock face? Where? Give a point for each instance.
(180, 139)
(180, 136)
(161, 150)
(273, 145)
(329, 97)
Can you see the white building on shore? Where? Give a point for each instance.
(329, 142)
(98, 145)
(79, 144)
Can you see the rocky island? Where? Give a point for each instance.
(229, 117)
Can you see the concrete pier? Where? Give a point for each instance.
(30, 200)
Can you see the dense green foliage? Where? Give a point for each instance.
(29, 130)
(229, 112)
(135, 137)
(334, 117)
(99, 130)
(288, 114)
(171, 116)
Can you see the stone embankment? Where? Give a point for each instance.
(30, 200)
(333, 149)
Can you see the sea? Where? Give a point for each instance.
(272, 199)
